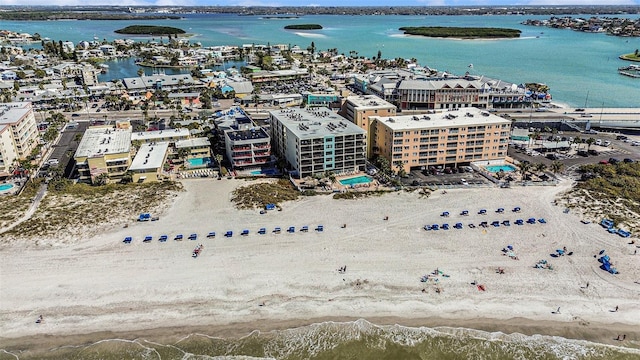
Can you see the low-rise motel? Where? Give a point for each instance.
(447, 138)
(315, 141)
(18, 134)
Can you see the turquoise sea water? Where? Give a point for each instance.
(356, 180)
(580, 68)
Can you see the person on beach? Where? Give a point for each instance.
(616, 310)
(558, 311)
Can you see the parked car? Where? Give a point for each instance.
(628, 160)
(606, 143)
(621, 137)
(583, 153)
(603, 162)
(613, 161)
(598, 142)
(593, 152)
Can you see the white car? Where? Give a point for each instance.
(598, 142)
(607, 143)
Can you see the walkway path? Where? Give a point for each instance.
(32, 209)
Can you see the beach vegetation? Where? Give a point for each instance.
(258, 195)
(461, 32)
(304, 27)
(634, 56)
(149, 30)
(352, 195)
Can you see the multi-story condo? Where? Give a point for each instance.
(103, 150)
(247, 145)
(447, 138)
(147, 165)
(358, 109)
(18, 134)
(318, 140)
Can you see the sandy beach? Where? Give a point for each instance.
(269, 281)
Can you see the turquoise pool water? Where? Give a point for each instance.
(356, 180)
(256, 172)
(195, 162)
(5, 187)
(497, 168)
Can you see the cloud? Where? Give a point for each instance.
(101, 2)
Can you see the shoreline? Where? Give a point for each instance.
(597, 333)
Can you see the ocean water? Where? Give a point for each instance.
(580, 68)
(350, 340)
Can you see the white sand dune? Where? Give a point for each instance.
(100, 283)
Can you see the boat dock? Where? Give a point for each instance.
(631, 71)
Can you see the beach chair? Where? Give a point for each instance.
(506, 223)
(445, 214)
(193, 237)
(147, 238)
(277, 230)
(542, 221)
(482, 212)
(244, 232)
(291, 229)
(500, 210)
(163, 238)
(445, 226)
(304, 228)
(458, 226)
(427, 227)
(519, 222)
(320, 228)
(516, 209)
(464, 212)
(531, 221)
(495, 223)
(262, 231)
(228, 234)
(435, 227)
(484, 224)
(472, 226)
(127, 240)
(211, 234)
(178, 237)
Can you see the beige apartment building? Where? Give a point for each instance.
(18, 134)
(446, 138)
(103, 150)
(359, 108)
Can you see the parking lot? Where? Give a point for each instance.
(441, 179)
(66, 147)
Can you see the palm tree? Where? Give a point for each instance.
(524, 167)
(577, 141)
(556, 166)
(590, 141)
(540, 167)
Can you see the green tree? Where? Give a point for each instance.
(524, 168)
(590, 141)
(556, 166)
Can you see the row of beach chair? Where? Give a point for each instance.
(485, 224)
(228, 234)
(516, 209)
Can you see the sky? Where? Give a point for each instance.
(319, 2)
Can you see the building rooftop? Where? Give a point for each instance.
(253, 133)
(365, 102)
(440, 84)
(315, 123)
(150, 156)
(445, 119)
(11, 113)
(189, 143)
(160, 134)
(102, 141)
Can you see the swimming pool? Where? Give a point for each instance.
(363, 179)
(498, 168)
(198, 162)
(6, 187)
(267, 171)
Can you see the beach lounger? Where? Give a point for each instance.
(458, 226)
(472, 226)
(506, 223)
(244, 232)
(445, 214)
(445, 226)
(482, 212)
(291, 229)
(495, 223)
(516, 209)
(542, 221)
(178, 237)
(127, 240)
(435, 227)
(211, 234)
(519, 222)
(147, 238)
(163, 238)
(193, 237)
(464, 212)
(277, 230)
(320, 228)
(500, 210)
(228, 234)
(427, 227)
(262, 231)
(531, 221)
(484, 224)
(304, 228)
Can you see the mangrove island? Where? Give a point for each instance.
(304, 27)
(461, 32)
(150, 30)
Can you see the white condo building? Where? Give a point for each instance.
(18, 134)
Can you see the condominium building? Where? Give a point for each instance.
(358, 109)
(247, 145)
(167, 135)
(18, 134)
(198, 151)
(148, 162)
(448, 138)
(103, 150)
(318, 140)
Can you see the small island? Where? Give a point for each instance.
(149, 30)
(461, 32)
(304, 27)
